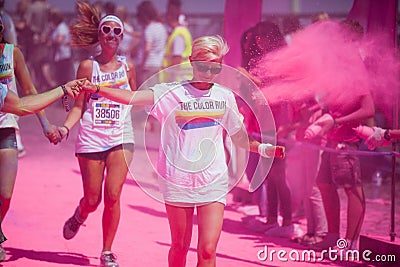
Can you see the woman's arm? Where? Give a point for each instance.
(366, 110)
(243, 140)
(382, 137)
(132, 76)
(143, 97)
(84, 72)
(132, 82)
(34, 103)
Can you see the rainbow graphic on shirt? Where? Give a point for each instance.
(116, 84)
(6, 77)
(188, 120)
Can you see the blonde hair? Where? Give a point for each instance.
(208, 48)
(84, 32)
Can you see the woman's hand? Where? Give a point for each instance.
(377, 139)
(64, 133)
(74, 87)
(90, 87)
(52, 133)
(326, 122)
(270, 151)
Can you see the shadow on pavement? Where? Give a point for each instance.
(48, 256)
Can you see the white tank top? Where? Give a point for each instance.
(7, 77)
(105, 123)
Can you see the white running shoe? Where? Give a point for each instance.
(108, 259)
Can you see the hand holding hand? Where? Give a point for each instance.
(270, 151)
(51, 132)
(90, 87)
(63, 131)
(74, 87)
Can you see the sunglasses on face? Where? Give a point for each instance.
(107, 30)
(204, 67)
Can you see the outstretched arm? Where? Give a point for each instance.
(143, 97)
(34, 103)
(382, 137)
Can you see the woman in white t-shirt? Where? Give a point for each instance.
(192, 165)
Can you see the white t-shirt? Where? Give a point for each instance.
(192, 166)
(156, 33)
(63, 50)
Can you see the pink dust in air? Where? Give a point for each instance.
(324, 61)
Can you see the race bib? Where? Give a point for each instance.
(106, 114)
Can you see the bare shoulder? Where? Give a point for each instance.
(85, 64)
(17, 50)
(85, 68)
(17, 53)
(130, 65)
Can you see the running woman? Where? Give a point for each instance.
(105, 139)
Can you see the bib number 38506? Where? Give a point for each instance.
(106, 114)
